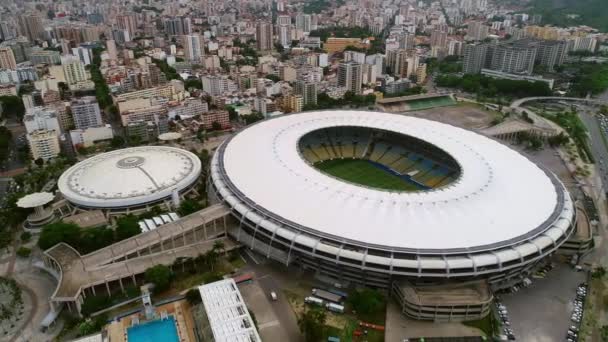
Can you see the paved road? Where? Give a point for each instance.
(273, 279)
(596, 142)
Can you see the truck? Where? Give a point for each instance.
(326, 295)
(334, 307)
(313, 300)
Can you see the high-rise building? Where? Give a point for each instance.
(407, 41)
(350, 76)
(439, 39)
(127, 22)
(308, 91)
(477, 30)
(402, 62)
(44, 144)
(304, 22)
(178, 26)
(513, 59)
(7, 59)
(73, 69)
(283, 20)
(41, 118)
(358, 57)
(474, 58)
(86, 113)
(263, 36)
(421, 74)
(549, 53)
(284, 34)
(111, 48)
(30, 26)
(194, 49)
(85, 54)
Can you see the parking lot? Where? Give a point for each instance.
(542, 311)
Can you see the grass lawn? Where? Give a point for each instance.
(364, 173)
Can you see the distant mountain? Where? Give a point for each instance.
(593, 13)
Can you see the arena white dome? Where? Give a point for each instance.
(130, 177)
(499, 211)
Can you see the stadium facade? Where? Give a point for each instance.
(478, 210)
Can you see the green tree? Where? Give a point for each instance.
(160, 276)
(24, 252)
(117, 142)
(193, 296)
(367, 301)
(57, 232)
(312, 324)
(127, 226)
(12, 106)
(188, 206)
(216, 126)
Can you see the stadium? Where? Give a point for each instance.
(130, 179)
(370, 198)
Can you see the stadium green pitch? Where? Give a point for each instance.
(362, 172)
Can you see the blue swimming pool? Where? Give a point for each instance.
(155, 331)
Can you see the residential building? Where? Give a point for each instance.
(308, 91)
(304, 22)
(41, 118)
(89, 136)
(7, 58)
(263, 35)
(421, 74)
(222, 117)
(194, 49)
(510, 58)
(40, 56)
(86, 113)
(350, 76)
(8, 90)
(44, 144)
(358, 57)
(474, 58)
(30, 25)
(127, 22)
(73, 69)
(477, 30)
(111, 49)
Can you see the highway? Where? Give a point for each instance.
(596, 142)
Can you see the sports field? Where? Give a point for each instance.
(431, 103)
(362, 172)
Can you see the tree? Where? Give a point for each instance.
(367, 301)
(39, 162)
(24, 252)
(193, 296)
(312, 324)
(219, 246)
(126, 227)
(232, 113)
(216, 126)
(12, 106)
(188, 206)
(57, 232)
(160, 276)
(273, 77)
(117, 142)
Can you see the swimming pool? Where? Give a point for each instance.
(155, 331)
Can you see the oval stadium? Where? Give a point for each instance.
(372, 197)
(131, 178)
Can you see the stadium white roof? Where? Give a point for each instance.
(227, 313)
(129, 177)
(500, 195)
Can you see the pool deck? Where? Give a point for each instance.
(180, 310)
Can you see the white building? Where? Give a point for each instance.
(86, 113)
(227, 317)
(89, 136)
(41, 118)
(73, 69)
(44, 144)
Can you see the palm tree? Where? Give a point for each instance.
(219, 246)
(211, 258)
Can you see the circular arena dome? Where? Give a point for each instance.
(131, 177)
(389, 195)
